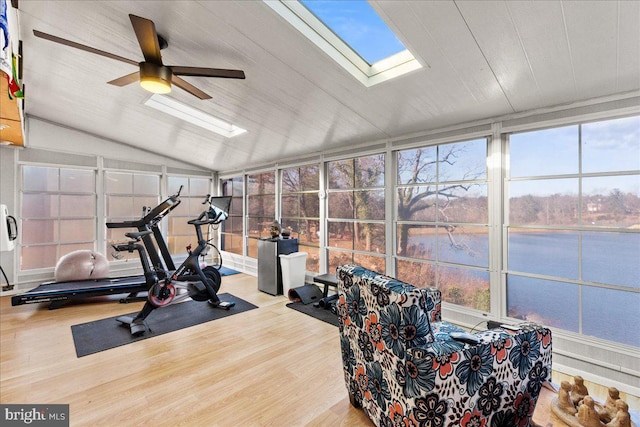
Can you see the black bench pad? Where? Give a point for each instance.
(327, 280)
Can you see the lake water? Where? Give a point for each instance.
(608, 258)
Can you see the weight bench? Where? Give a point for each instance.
(327, 280)
(311, 293)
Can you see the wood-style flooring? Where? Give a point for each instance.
(272, 366)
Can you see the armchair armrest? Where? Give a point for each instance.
(510, 366)
(529, 339)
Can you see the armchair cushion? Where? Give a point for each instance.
(402, 367)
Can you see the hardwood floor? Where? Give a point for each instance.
(272, 366)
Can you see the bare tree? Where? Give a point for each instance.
(417, 167)
(296, 181)
(359, 175)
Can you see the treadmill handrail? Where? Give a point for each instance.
(155, 215)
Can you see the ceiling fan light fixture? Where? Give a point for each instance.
(155, 78)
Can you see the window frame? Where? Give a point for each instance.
(124, 257)
(355, 254)
(579, 228)
(58, 192)
(233, 216)
(303, 192)
(439, 266)
(250, 240)
(303, 20)
(186, 199)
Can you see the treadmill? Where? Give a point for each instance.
(155, 265)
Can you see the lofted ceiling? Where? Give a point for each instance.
(481, 59)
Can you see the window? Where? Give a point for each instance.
(351, 33)
(261, 209)
(194, 191)
(573, 237)
(232, 228)
(359, 26)
(300, 210)
(126, 195)
(58, 214)
(356, 212)
(442, 221)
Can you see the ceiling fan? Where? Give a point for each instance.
(153, 75)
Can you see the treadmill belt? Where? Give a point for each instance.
(88, 285)
(60, 292)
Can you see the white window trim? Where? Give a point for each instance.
(37, 275)
(317, 32)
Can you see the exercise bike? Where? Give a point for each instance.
(189, 280)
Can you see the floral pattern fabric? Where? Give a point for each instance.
(403, 368)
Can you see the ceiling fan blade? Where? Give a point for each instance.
(81, 47)
(183, 84)
(207, 72)
(125, 80)
(147, 38)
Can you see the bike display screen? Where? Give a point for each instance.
(220, 207)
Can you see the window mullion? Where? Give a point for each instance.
(495, 167)
(390, 210)
(101, 229)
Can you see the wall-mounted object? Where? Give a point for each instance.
(8, 230)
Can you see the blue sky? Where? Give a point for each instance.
(357, 24)
(607, 146)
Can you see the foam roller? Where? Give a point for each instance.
(326, 301)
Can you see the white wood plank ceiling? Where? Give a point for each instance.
(480, 59)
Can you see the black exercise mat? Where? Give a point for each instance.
(318, 312)
(99, 335)
(306, 294)
(226, 271)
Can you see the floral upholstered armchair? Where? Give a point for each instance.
(404, 369)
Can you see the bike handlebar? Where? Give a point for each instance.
(214, 214)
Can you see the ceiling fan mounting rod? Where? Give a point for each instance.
(162, 42)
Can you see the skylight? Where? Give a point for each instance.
(352, 34)
(192, 115)
(359, 26)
